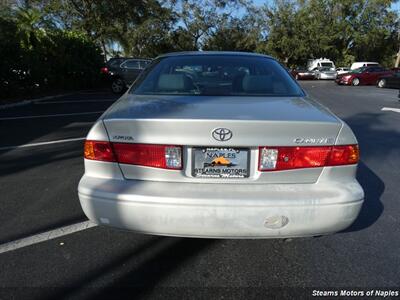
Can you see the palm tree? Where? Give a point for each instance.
(29, 21)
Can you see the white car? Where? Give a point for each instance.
(318, 63)
(361, 64)
(221, 145)
(342, 70)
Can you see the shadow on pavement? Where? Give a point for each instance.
(148, 264)
(15, 132)
(64, 221)
(372, 207)
(377, 143)
(35, 186)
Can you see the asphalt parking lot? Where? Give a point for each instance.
(38, 194)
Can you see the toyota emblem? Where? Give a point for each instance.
(222, 134)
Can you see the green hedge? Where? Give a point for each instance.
(54, 60)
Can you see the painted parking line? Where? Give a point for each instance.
(74, 101)
(391, 109)
(51, 116)
(42, 143)
(91, 92)
(45, 236)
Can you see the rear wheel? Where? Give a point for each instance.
(355, 82)
(382, 83)
(118, 86)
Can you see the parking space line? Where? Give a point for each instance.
(42, 143)
(391, 109)
(73, 101)
(45, 236)
(50, 116)
(89, 92)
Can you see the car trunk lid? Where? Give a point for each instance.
(191, 120)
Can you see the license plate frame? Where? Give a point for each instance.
(239, 159)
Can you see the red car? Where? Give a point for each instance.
(364, 75)
(302, 73)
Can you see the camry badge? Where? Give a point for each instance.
(314, 140)
(222, 134)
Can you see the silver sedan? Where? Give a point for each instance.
(221, 145)
(325, 73)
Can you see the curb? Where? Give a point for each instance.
(26, 102)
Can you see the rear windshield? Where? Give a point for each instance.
(216, 75)
(327, 64)
(359, 70)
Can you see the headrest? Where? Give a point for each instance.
(257, 83)
(174, 82)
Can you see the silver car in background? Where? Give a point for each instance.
(221, 145)
(325, 73)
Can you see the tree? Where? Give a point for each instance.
(343, 30)
(107, 22)
(236, 35)
(30, 26)
(36, 55)
(286, 33)
(199, 20)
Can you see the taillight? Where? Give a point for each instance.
(287, 158)
(344, 155)
(157, 156)
(98, 150)
(104, 70)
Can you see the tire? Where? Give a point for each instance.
(355, 82)
(118, 86)
(381, 83)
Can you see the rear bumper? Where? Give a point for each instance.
(221, 211)
(306, 77)
(327, 76)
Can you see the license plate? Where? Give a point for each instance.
(220, 162)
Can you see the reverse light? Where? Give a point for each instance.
(287, 158)
(268, 158)
(173, 157)
(156, 156)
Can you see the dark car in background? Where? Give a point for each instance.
(121, 72)
(390, 81)
(363, 76)
(301, 73)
